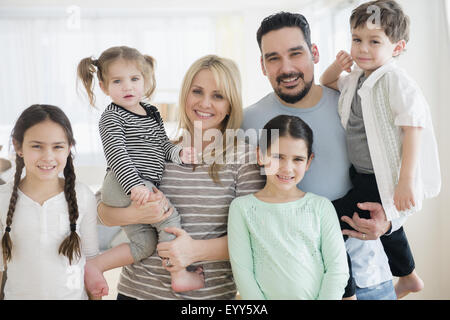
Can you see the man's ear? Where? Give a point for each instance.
(315, 53)
(399, 47)
(263, 67)
(103, 87)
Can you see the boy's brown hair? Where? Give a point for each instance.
(392, 19)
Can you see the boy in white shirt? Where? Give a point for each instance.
(390, 136)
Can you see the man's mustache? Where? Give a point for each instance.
(290, 75)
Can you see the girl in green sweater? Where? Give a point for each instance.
(285, 243)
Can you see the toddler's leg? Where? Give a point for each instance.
(401, 262)
(112, 192)
(142, 237)
(143, 240)
(182, 280)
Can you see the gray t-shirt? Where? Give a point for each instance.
(358, 149)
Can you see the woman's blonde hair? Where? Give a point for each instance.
(88, 66)
(228, 79)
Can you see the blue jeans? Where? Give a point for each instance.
(382, 291)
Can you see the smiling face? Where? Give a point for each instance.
(125, 84)
(288, 63)
(371, 48)
(286, 163)
(45, 149)
(206, 104)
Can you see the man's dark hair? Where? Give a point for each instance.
(281, 20)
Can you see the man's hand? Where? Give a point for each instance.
(368, 229)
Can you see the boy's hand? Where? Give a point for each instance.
(188, 155)
(344, 61)
(139, 195)
(404, 195)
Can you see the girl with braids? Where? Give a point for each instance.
(136, 147)
(47, 223)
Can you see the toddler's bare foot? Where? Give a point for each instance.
(184, 280)
(408, 284)
(94, 281)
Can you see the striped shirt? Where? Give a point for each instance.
(135, 146)
(203, 207)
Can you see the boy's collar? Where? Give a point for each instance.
(377, 74)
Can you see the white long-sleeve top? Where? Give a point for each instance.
(36, 270)
(391, 99)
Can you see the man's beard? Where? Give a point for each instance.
(289, 98)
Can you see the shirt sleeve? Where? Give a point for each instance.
(343, 81)
(241, 257)
(88, 225)
(171, 151)
(407, 101)
(248, 178)
(113, 139)
(397, 224)
(333, 254)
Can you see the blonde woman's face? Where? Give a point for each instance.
(206, 104)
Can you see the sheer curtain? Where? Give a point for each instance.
(43, 46)
(42, 49)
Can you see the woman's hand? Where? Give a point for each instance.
(180, 251)
(155, 210)
(139, 195)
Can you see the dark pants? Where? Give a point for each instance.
(124, 297)
(395, 245)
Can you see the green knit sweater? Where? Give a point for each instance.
(291, 250)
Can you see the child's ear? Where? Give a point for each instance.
(308, 164)
(260, 157)
(399, 47)
(17, 147)
(103, 87)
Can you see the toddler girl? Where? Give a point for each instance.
(136, 147)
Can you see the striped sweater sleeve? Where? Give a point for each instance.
(248, 178)
(171, 151)
(113, 139)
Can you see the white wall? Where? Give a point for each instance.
(426, 60)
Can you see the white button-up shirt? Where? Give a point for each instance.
(36, 270)
(390, 99)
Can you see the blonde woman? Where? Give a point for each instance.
(210, 103)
